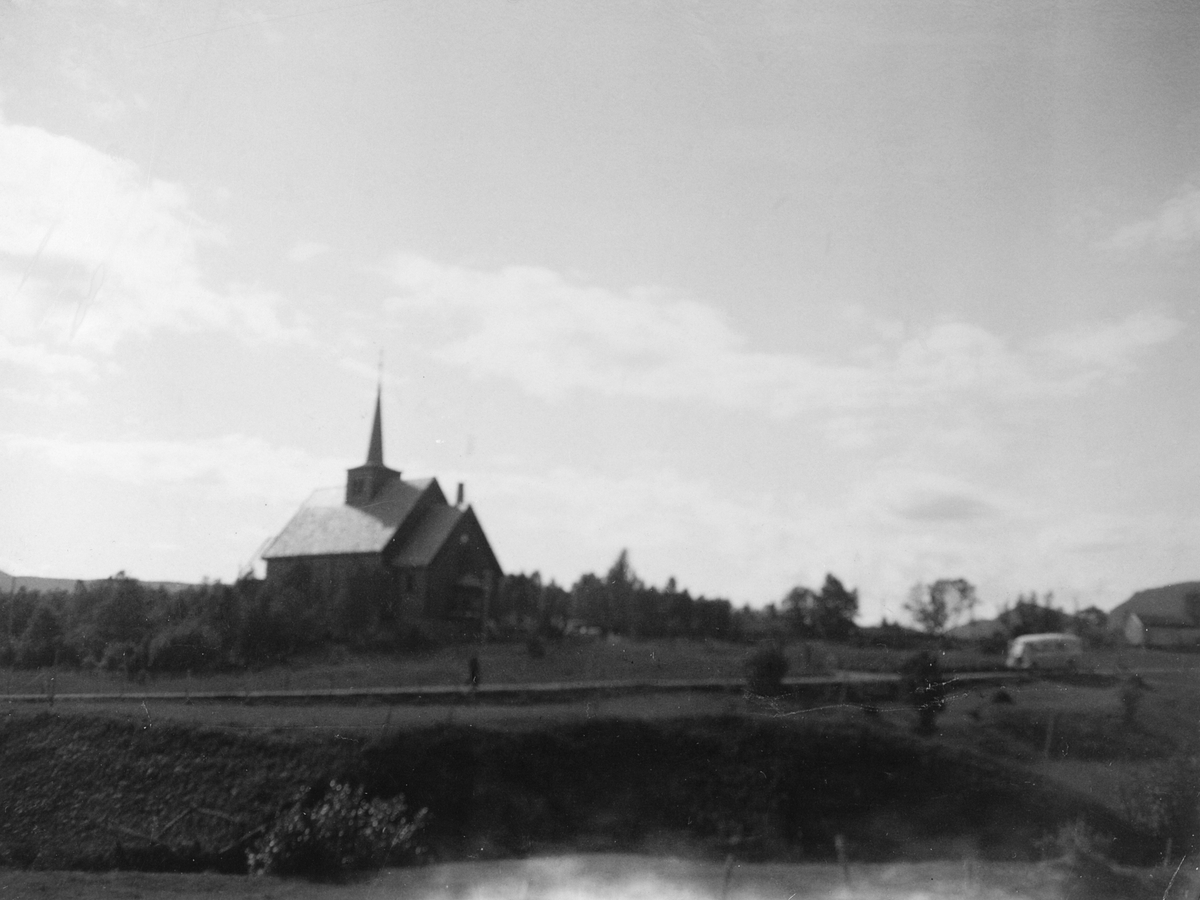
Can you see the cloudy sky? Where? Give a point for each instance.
(758, 291)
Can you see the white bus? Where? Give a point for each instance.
(1045, 651)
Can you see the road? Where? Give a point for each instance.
(546, 692)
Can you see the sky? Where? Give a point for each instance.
(760, 291)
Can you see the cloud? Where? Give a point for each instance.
(1086, 354)
(1177, 223)
(582, 519)
(103, 103)
(42, 359)
(93, 251)
(899, 494)
(900, 526)
(233, 465)
(553, 336)
(945, 507)
(303, 251)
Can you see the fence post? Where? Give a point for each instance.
(728, 876)
(839, 844)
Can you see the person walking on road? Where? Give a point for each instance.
(473, 672)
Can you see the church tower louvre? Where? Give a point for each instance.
(363, 483)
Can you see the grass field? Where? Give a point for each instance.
(375, 719)
(970, 720)
(509, 663)
(501, 663)
(564, 661)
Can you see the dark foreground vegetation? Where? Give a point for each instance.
(92, 793)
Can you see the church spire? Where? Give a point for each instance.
(375, 450)
(364, 482)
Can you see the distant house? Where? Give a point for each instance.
(1149, 630)
(1160, 617)
(431, 555)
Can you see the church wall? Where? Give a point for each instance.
(325, 573)
(464, 554)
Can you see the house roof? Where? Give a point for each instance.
(1149, 620)
(325, 525)
(1169, 601)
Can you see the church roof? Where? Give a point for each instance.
(325, 525)
(432, 532)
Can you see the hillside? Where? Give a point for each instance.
(11, 583)
(87, 792)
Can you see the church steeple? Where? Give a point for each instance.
(375, 450)
(364, 482)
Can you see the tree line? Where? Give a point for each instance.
(620, 603)
(121, 624)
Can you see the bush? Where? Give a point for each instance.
(1165, 801)
(189, 646)
(334, 833)
(417, 639)
(535, 648)
(765, 670)
(994, 644)
(1130, 695)
(926, 688)
(123, 656)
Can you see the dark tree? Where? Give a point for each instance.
(590, 602)
(555, 609)
(934, 606)
(836, 609)
(622, 586)
(829, 614)
(42, 639)
(1028, 616)
(123, 613)
(800, 608)
(519, 598)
